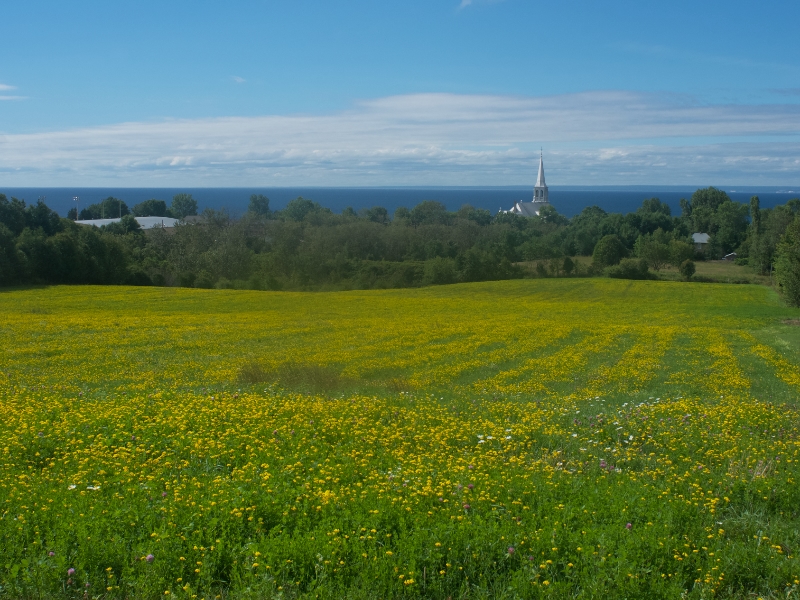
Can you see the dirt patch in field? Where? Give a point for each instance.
(795, 322)
(293, 375)
(314, 378)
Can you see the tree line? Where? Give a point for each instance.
(306, 246)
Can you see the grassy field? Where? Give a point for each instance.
(521, 439)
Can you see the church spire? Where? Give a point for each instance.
(540, 193)
(540, 179)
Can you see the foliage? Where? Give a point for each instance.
(151, 208)
(110, 208)
(183, 205)
(687, 269)
(306, 246)
(300, 208)
(787, 263)
(629, 268)
(608, 251)
(127, 224)
(554, 438)
(764, 241)
(654, 248)
(259, 205)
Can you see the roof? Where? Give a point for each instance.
(527, 209)
(700, 238)
(144, 222)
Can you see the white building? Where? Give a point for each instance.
(700, 240)
(540, 197)
(144, 222)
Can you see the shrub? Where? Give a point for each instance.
(629, 268)
(687, 269)
(204, 280)
(439, 271)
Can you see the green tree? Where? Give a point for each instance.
(608, 251)
(376, 214)
(679, 251)
(763, 246)
(110, 208)
(730, 225)
(12, 214)
(787, 263)
(755, 215)
(709, 197)
(40, 216)
(402, 216)
(299, 208)
(151, 208)
(10, 263)
(259, 205)
(704, 205)
(687, 269)
(127, 224)
(477, 215)
(429, 212)
(183, 205)
(652, 248)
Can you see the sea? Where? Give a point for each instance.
(568, 201)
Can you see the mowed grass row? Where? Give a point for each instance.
(516, 439)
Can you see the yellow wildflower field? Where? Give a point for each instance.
(553, 438)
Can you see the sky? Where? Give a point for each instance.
(435, 92)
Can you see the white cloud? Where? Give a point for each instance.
(466, 3)
(238, 79)
(13, 97)
(430, 139)
(4, 87)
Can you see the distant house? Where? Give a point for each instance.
(144, 222)
(700, 241)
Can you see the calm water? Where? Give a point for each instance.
(568, 201)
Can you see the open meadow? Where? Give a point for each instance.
(520, 439)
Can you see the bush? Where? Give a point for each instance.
(439, 271)
(568, 266)
(687, 269)
(204, 280)
(608, 251)
(629, 268)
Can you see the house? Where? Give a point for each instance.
(700, 241)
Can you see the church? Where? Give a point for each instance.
(540, 197)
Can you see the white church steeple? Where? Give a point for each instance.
(540, 189)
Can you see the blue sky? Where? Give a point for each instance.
(399, 93)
